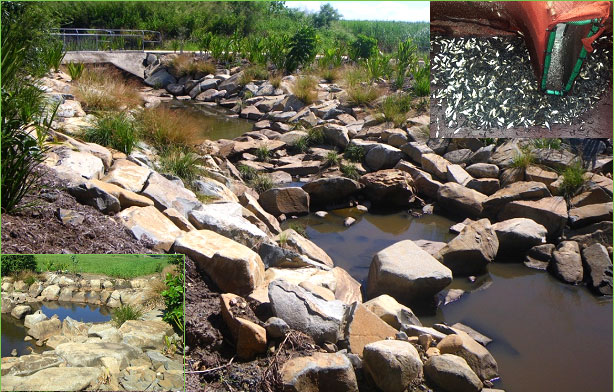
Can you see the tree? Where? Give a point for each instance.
(302, 48)
(326, 15)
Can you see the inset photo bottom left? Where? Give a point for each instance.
(92, 322)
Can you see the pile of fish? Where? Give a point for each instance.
(486, 83)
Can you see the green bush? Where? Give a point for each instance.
(11, 264)
(183, 164)
(378, 66)
(422, 83)
(124, 313)
(53, 54)
(363, 47)
(332, 158)
(395, 108)
(114, 130)
(350, 171)
(301, 48)
(523, 159)
(174, 300)
(263, 153)
(552, 144)
(573, 179)
(354, 153)
(261, 183)
(75, 70)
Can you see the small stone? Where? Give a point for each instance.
(349, 221)
(425, 340)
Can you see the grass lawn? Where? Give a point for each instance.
(119, 266)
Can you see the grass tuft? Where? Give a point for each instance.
(332, 158)
(523, 159)
(166, 128)
(304, 88)
(573, 179)
(185, 64)
(395, 108)
(181, 163)
(253, 72)
(124, 313)
(104, 88)
(350, 171)
(354, 153)
(113, 130)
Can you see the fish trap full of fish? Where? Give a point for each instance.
(489, 83)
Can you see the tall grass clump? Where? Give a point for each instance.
(523, 159)
(53, 54)
(104, 88)
(185, 64)
(304, 88)
(350, 171)
(253, 72)
(573, 179)
(359, 87)
(164, 127)
(422, 80)
(181, 163)
(114, 130)
(124, 313)
(75, 70)
(260, 182)
(395, 108)
(354, 153)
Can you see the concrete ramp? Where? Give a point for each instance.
(131, 62)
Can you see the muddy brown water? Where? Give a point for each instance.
(215, 122)
(547, 336)
(13, 330)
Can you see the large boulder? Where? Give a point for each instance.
(550, 212)
(393, 364)
(483, 170)
(160, 79)
(252, 205)
(169, 194)
(126, 198)
(128, 175)
(232, 85)
(20, 311)
(329, 191)
(383, 156)
(51, 293)
(291, 200)
(392, 312)
(306, 312)
(519, 234)
(150, 223)
(452, 374)
(91, 354)
(415, 150)
(435, 165)
(424, 183)
(81, 163)
(45, 329)
(226, 219)
(214, 189)
(296, 242)
(470, 251)
(522, 190)
(391, 187)
(34, 318)
(567, 263)
(487, 186)
(337, 135)
(460, 201)
(363, 327)
(233, 267)
(407, 273)
(477, 356)
(89, 194)
(145, 334)
(598, 268)
(457, 174)
(334, 372)
(62, 379)
(592, 213)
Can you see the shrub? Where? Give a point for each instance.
(552, 144)
(395, 108)
(173, 301)
(354, 153)
(363, 47)
(253, 72)
(304, 88)
(332, 158)
(350, 171)
(181, 163)
(124, 313)
(301, 145)
(523, 159)
(261, 183)
(75, 70)
(189, 65)
(362, 94)
(422, 79)
(53, 54)
(378, 66)
(104, 88)
(12, 264)
(114, 130)
(302, 48)
(263, 153)
(573, 179)
(406, 57)
(166, 128)
(315, 136)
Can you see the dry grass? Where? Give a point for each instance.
(305, 89)
(28, 277)
(167, 128)
(185, 64)
(330, 74)
(153, 293)
(359, 88)
(105, 88)
(275, 79)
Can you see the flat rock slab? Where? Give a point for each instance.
(145, 334)
(91, 354)
(151, 223)
(334, 371)
(62, 379)
(550, 212)
(364, 327)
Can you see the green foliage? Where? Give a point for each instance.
(263, 153)
(350, 171)
(363, 47)
(124, 313)
(573, 179)
(113, 130)
(332, 158)
(315, 136)
(304, 88)
(523, 159)
(363, 94)
(181, 163)
(354, 153)
(174, 300)
(325, 16)
(395, 108)
(549, 143)
(301, 145)
(261, 183)
(302, 48)
(12, 264)
(75, 264)
(331, 58)
(75, 70)
(422, 80)
(406, 57)
(53, 54)
(29, 279)
(300, 229)
(253, 72)
(378, 66)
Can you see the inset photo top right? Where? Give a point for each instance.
(521, 69)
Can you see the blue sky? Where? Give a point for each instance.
(409, 11)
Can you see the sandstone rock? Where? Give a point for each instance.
(250, 337)
(458, 175)
(592, 196)
(550, 212)
(34, 318)
(126, 198)
(127, 175)
(45, 329)
(84, 164)
(452, 374)
(337, 135)
(523, 190)
(519, 234)
(363, 327)
(328, 191)
(149, 222)
(383, 156)
(393, 364)
(392, 312)
(592, 213)
(250, 202)
(98, 197)
(305, 312)
(539, 174)
(460, 201)
(477, 356)
(415, 150)
(539, 256)
(458, 156)
(504, 154)
(145, 334)
(486, 186)
(470, 251)
(407, 273)
(303, 246)
(598, 268)
(231, 85)
(215, 189)
(567, 262)
(168, 194)
(178, 219)
(475, 335)
(20, 311)
(90, 354)
(391, 187)
(233, 267)
(291, 200)
(423, 182)
(35, 289)
(62, 379)
(483, 170)
(435, 165)
(319, 370)
(51, 293)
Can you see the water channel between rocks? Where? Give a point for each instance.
(547, 336)
(13, 330)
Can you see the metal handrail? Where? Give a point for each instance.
(101, 35)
